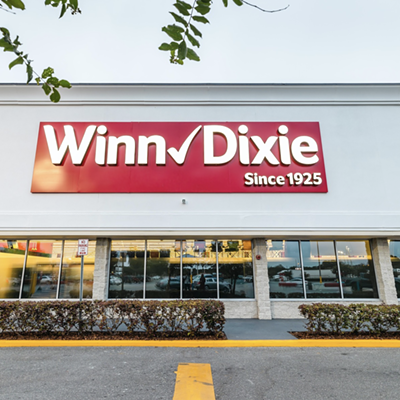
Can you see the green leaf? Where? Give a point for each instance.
(6, 45)
(238, 2)
(193, 40)
(186, 5)
(65, 84)
(225, 3)
(53, 81)
(17, 61)
(181, 9)
(74, 4)
(203, 10)
(29, 72)
(17, 4)
(179, 19)
(47, 72)
(176, 28)
(37, 80)
(182, 50)
(55, 96)
(165, 47)
(63, 10)
(195, 30)
(172, 34)
(203, 20)
(191, 55)
(46, 88)
(174, 45)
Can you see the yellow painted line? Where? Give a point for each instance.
(194, 382)
(388, 343)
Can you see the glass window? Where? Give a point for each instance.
(320, 269)
(199, 266)
(356, 269)
(284, 269)
(235, 261)
(163, 269)
(126, 269)
(42, 269)
(12, 256)
(394, 246)
(71, 271)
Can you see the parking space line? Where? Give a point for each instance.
(194, 382)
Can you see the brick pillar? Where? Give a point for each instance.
(384, 271)
(261, 280)
(101, 269)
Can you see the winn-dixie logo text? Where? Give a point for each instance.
(179, 157)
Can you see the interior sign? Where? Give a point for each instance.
(179, 157)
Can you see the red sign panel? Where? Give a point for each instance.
(179, 157)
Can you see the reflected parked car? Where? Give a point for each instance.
(115, 280)
(174, 283)
(211, 284)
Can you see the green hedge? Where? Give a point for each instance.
(151, 317)
(354, 318)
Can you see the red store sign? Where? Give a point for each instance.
(179, 157)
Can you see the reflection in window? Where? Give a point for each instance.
(357, 270)
(199, 266)
(163, 278)
(12, 256)
(284, 269)
(320, 269)
(71, 271)
(42, 269)
(235, 262)
(126, 269)
(394, 246)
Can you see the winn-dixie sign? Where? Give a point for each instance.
(179, 157)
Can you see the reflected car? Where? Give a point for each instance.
(46, 279)
(211, 284)
(115, 280)
(358, 283)
(14, 281)
(174, 283)
(293, 282)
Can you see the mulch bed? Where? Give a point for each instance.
(345, 335)
(108, 336)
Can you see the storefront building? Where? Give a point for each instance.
(262, 196)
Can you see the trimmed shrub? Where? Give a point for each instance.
(150, 317)
(354, 318)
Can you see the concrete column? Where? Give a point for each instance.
(101, 262)
(261, 280)
(384, 271)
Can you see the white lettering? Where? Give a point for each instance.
(248, 179)
(298, 150)
(143, 148)
(264, 150)
(231, 145)
(57, 154)
(113, 146)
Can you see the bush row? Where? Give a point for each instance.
(354, 318)
(150, 317)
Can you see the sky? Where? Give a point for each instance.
(313, 41)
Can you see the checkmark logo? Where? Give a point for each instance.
(179, 156)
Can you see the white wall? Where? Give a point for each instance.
(361, 142)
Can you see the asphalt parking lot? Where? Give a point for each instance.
(238, 373)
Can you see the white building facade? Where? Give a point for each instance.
(159, 228)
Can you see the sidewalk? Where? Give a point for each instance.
(255, 329)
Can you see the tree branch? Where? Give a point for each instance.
(263, 10)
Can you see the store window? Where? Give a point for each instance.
(12, 257)
(394, 247)
(192, 268)
(127, 263)
(71, 271)
(31, 269)
(321, 269)
(284, 269)
(42, 269)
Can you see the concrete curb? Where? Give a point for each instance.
(366, 343)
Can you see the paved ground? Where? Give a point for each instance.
(238, 373)
(255, 329)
